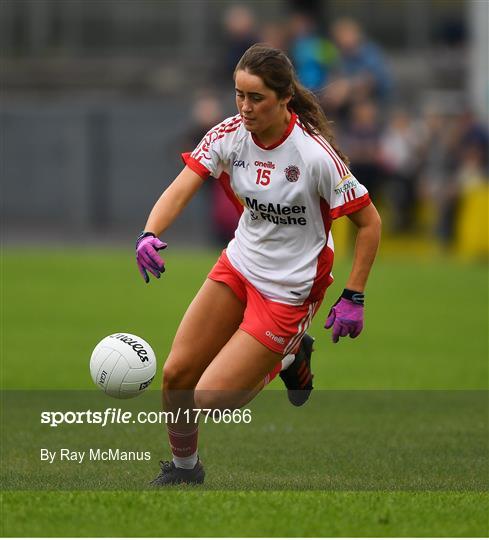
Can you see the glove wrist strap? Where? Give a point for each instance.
(144, 234)
(354, 296)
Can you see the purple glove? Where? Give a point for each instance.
(147, 247)
(346, 317)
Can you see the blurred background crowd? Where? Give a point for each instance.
(100, 98)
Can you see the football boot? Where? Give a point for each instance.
(170, 474)
(298, 376)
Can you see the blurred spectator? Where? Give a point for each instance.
(311, 54)
(206, 113)
(473, 166)
(455, 161)
(362, 139)
(275, 34)
(471, 232)
(470, 140)
(467, 152)
(401, 158)
(435, 174)
(362, 72)
(240, 33)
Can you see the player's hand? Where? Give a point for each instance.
(346, 317)
(147, 247)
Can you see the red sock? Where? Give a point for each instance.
(275, 371)
(183, 445)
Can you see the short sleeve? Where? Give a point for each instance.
(209, 157)
(341, 190)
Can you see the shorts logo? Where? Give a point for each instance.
(292, 173)
(273, 337)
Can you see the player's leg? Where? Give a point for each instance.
(230, 381)
(280, 328)
(211, 319)
(295, 372)
(236, 374)
(284, 367)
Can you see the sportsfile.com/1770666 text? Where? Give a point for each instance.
(113, 415)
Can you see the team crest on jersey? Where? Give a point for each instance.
(292, 173)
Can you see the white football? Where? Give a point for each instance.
(123, 365)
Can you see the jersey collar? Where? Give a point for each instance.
(287, 132)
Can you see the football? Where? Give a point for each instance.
(123, 365)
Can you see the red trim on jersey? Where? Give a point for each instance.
(229, 128)
(340, 166)
(195, 165)
(234, 120)
(237, 120)
(225, 181)
(301, 125)
(221, 131)
(324, 263)
(288, 131)
(227, 125)
(351, 207)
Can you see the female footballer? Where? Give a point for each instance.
(278, 161)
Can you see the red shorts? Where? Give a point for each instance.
(280, 327)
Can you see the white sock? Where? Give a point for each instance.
(287, 360)
(188, 462)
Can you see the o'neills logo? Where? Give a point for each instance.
(265, 165)
(277, 339)
(137, 347)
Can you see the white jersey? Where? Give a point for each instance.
(290, 192)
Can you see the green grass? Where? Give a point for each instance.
(426, 322)
(282, 513)
(426, 329)
(343, 440)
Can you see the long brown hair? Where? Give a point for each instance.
(277, 72)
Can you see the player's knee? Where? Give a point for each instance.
(207, 399)
(217, 399)
(176, 376)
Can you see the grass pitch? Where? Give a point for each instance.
(426, 329)
(183, 512)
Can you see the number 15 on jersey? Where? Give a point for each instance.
(263, 177)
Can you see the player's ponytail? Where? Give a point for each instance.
(312, 116)
(277, 72)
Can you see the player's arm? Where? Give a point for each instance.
(346, 316)
(367, 242)
(173, 200)
(165, 211)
